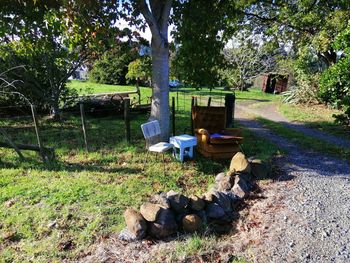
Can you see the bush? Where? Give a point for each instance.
(335, 82)
(113, 66)
(335, 88)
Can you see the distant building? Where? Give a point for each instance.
(274, 83)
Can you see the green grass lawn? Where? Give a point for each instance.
(53, 212)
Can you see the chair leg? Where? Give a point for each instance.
(144, 161)
(163, 163)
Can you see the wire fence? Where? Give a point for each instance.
(97, 129)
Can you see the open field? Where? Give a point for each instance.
(53, 212)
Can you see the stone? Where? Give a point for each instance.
(135, 223)
(203, 216)
(150, 211)
(239, 163)
(208, 196)
(161, 200)
(191, 223)
(219, 177)
(214, 211)
(196, 203)
(225, 183)
(164, 226)
(224, 201)
(235, 200)
(259, 169)
(245, 176)
(241, 188)
(178, 202)
(126, 235)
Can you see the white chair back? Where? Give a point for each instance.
(151, 132)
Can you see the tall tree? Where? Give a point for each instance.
(54, 38)
(157, 14)
(311, 23)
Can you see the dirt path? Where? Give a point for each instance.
(269, 111)
(313, 223)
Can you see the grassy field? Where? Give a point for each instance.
(53, 212)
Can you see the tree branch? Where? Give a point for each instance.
(165, 16)
(150, 19)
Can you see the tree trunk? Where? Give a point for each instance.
(156, 13)
(55, 108)
(160, 87)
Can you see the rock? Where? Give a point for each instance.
(203, 216)
(219, 177)
(251, 185)
(241, 188)
(191, 223)
(225, 183)
(164, 226)
(150, 211)
(135, 223)
(214, 211)
(161, 200)
(239, 163)
(259, 169)
(196, 203)
(224, 201)
(235, 200)
(126, 235)
(208, 196)
(178, 202)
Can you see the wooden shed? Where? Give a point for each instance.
(274, 83)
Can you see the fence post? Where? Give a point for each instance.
(230, 109)
(192, 104)
(173, 114)
(36, 126)
(177, 99)
(127, 118)
(209, 101)
(83, 123)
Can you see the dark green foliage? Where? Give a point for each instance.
(51, 39)
(140, 71)
(201, 30)
(335, 81)
(113, 65)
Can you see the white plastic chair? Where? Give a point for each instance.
(151, 132)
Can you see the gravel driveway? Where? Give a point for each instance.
(314, 225)
(269, 111)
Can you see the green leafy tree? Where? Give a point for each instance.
(335, 81)
(140, 71)
(53, 39)
(300, 23)
(112, 67)
(246, 60)
(202, 30)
